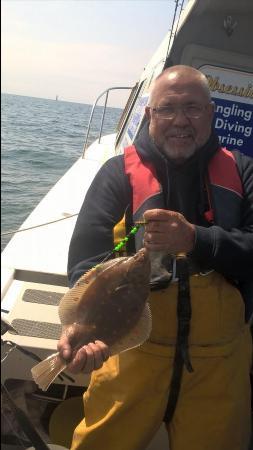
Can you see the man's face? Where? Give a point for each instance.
(180, 136)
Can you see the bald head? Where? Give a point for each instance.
(179, 75)
(180, 112)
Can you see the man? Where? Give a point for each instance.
(169, 177)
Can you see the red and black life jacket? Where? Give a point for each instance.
(223, 185)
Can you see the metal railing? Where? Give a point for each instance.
(106, 93)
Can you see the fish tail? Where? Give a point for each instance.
(47, 370)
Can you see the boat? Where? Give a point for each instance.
(211, 35)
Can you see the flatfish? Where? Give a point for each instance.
(108, 303)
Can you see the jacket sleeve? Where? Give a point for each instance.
(231, 252)
(103, 207)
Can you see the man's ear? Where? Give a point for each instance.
(147, 112)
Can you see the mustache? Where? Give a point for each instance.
(176, 131)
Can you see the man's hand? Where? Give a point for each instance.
(168, 231)
(88, 358)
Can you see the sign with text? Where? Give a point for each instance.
(232, 92)
(137, 115)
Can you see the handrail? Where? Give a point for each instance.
(103, 115)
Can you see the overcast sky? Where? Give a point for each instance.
(78, 48)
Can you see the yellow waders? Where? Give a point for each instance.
(126, 400)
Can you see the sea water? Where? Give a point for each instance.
(41, 139)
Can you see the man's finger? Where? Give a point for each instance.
(88, 367)
(98, 359)
(156, 214)
(78, 361)
(64, 347)
(104, 349)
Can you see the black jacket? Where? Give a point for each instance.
(109, 197)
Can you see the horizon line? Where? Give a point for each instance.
(60, 100)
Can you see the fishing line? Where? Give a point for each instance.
(7, 352)
(38, 226)
(123, 241)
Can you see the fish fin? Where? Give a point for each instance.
(67, 308)
(68, 304)
(137, 336)
(47, 370)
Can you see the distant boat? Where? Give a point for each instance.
(56, 97)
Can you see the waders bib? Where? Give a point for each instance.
(126, 400)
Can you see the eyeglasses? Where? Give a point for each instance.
(170, 111)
